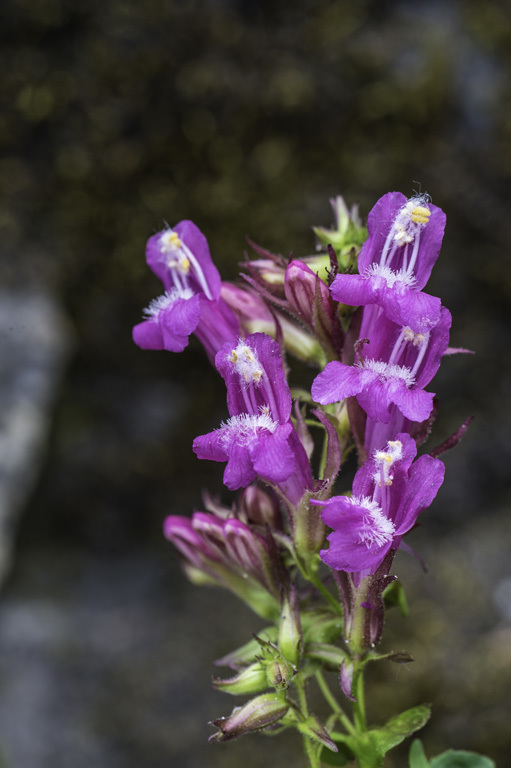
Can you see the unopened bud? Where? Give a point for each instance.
(310, 530)
(252, 679)
(260, 507)
(290, 630)
(279, 674)
(256, 714)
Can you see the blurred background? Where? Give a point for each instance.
(245, 117)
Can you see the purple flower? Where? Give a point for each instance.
(258, 438)
(396, 261)
(191, 303)
(180, 257)
(217, 546)
(396, 364)
(230, 553)
(310, 298)
(389, 492)
(170, 319)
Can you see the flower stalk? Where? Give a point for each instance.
(357, 313)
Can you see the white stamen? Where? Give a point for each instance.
(245, 426)
(162, 303)
(417, 339)
(364, 501)
(385, 460)
(378, 530)
(410, 218)
(391, 277)
(246, 363)
(386, 371)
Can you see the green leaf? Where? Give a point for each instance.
(343, 756)
(408, 722)
(371, 747)
(455, 759)
(417, 757)
(395, 595)
(398, 728)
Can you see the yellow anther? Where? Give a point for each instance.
(420, 215)
(174, 240)
(234, 356)
(257, 375)
(395, 443)
(388, 458)
(184, 265)
(419, 340)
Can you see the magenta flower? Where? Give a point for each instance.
(396, 261)
(395, 366)
(258, 439)
(226, 550)
(191, 303)
(180, 257)
(389, 492)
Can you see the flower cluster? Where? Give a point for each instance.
(288, 536)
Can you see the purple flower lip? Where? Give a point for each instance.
(389, 492)
(180, 257)
(165, 301)
(396, 261)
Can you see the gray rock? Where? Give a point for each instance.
(35, 341)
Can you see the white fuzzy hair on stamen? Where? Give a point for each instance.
(387, 371)
(245, 426)
(391, 277)
(165, 301)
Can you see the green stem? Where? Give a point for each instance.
(308, 746)
(336, 707)
(314, 579)
(359, 712)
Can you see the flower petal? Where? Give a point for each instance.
(338, 381)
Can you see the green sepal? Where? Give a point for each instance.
(397, 657)
(395, 595)
(251, 679)
(249, 652)
(316, 731)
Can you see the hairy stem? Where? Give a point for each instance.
(336, 707)
(359, 712)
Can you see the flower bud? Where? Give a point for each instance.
(261, 508)
(290, 630)
(279, 674)
(347, 235)
(310, 530)
(250, 308)
(256, 714)
(252, 679)
(310, 298)
(248, 652)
